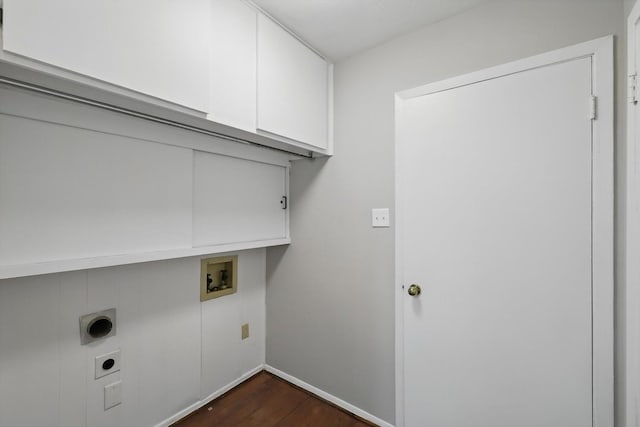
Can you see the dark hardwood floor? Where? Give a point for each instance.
(266, 400)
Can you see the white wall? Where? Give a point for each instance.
(176, 351)
(330, 299)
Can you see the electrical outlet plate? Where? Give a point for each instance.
(112, 395)
(245, 331)
(380, 217)
(100, 361)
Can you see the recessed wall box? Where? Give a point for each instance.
(98, 325)
(107, 364)
(218, 277)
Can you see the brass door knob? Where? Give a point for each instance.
(414, 290)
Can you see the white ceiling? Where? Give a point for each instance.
(341, 28)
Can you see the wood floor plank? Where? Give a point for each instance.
(283, 400)
(225, 409)
(316, 413)
(265, 400)
(235, 408)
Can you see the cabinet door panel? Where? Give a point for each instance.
(292, 86)
(157, 47)
(70, 193)
(236, 200)
(233, 64)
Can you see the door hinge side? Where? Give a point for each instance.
(593, 110)
(633, 89)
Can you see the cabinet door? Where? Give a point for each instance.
(237, 200)
(233, 64)
(157, 47)
(71, 193)
(292, 87)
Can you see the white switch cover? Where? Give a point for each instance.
(112, 395)
(107, 364)
(380, 217)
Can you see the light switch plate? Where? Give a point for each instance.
(112, 395)
(100, 364)
(380, 217)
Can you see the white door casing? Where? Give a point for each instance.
(502, 234)
(632, 273)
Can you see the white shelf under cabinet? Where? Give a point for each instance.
(22, 270)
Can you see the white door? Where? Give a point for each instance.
(495, 226)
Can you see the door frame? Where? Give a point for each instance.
(601, 52)
(632, 269)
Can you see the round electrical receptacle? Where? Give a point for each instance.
(108, 364)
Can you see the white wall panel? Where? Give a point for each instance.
(74, 193)
(47, 377)
(236, 200)
(102, 294)
(253, 308)
(182, 331)
(159, 48)
(40, 364)
(227, 357)
(28, 354)
(72, 299)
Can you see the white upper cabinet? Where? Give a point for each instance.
(292, 87)
(220, 58)
(156, 47)
(233, 64)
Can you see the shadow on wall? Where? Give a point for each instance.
(274, 257)
(304, 175)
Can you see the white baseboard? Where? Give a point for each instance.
(328, 397)
(199, 404)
